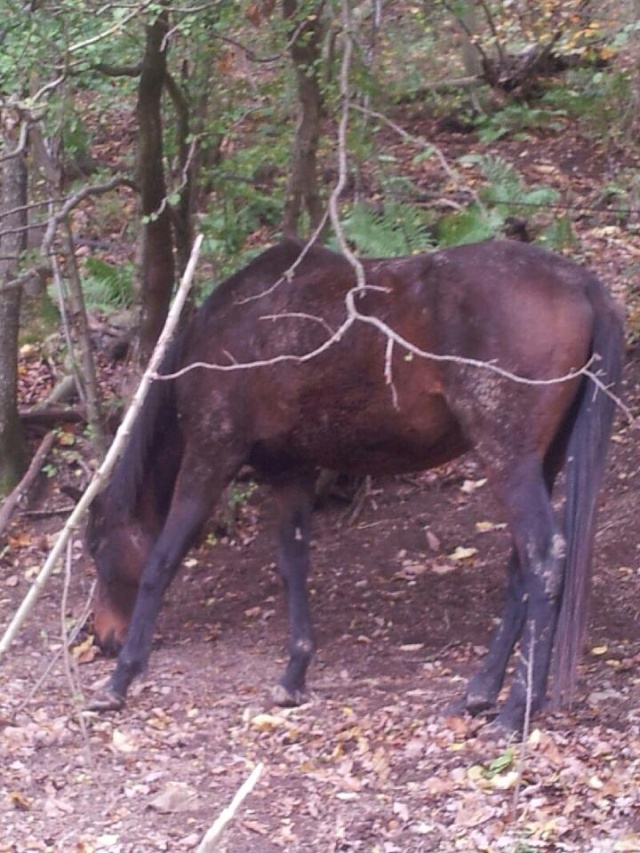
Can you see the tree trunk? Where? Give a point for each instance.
(12, 243)
(471, 56)
(157, 267)
(306, 52)
(182, 218)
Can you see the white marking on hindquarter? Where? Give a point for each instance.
(298, 535)
(558, 546)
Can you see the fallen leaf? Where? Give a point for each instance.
(432, 540)
(473, 817)
(443, 569)
(463, 553)
(176, 797)
(85, 652)
(504, 781)
(488, 526)
(123, 742)
(266, 722)
(254, 826)
(410, 571)
(19, 801)
(107, 842)
(470, 486)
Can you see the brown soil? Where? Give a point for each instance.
(372, 762)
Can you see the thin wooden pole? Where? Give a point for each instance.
(112, 454)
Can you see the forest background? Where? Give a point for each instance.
(130, 128)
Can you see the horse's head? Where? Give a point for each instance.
(119, 547)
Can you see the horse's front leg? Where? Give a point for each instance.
(295, 505)
(183, 523)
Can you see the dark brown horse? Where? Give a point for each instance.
(290, 395)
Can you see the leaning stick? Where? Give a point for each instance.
(112, 454)
(209, 842)
(12, 500)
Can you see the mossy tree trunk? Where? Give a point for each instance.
(12, 242)
(306, 52)
(158, 266)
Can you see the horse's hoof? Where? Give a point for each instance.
(468, 705)
(286, 698)
(456, 708)
(506, 725)
(479, 707)
(106, 700)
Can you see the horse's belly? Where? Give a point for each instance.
(370, 440)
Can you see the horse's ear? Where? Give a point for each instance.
(72, 492)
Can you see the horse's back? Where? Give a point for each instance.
(519, 305)
(365, 401)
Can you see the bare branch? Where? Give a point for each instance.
(301, 315)
(210, 841)
(22, 143)
(49, 87)
(353, 316)
(388, 372)
(39, 274)
(75, 200)
(334, 213)
(11, 502)
(451, 173)
(110, 459)
(114, 28)
(267, 362)
(288, 274)
(118, 70)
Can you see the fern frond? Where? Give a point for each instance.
(398, 228)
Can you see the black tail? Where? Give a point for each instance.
(586, 456)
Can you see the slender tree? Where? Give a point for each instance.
(305, 47)
(13, 232)
(158, 266)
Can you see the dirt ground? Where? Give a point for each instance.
(404, 599)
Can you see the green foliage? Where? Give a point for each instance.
(469, 226)
(397, 228)
(558, 234)
(236, 213)
(506, 190)
(105, 286)
(515, 119)
(505, 195)
(602, 100)
(500, 764)
(248, 191)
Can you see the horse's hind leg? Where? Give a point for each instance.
(295, 503)
(540, 549)
(483, 689)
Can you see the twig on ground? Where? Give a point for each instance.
(525, 729)
(210, 840)
(112, 455)
(10, 503)
(68, 662)
(71, 638)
